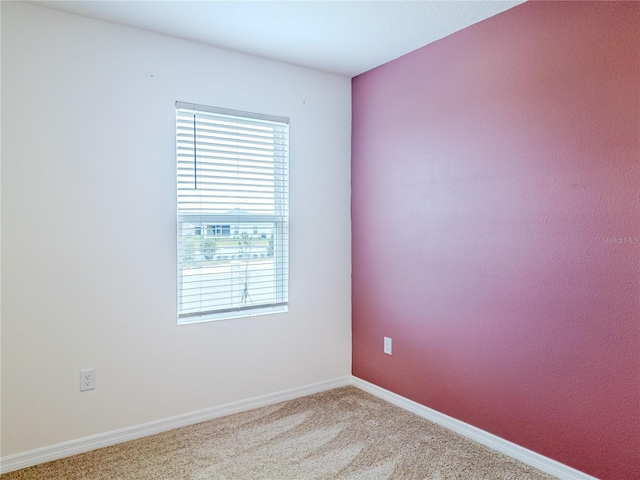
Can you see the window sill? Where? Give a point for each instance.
(214, 317)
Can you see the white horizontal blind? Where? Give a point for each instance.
(232, 176)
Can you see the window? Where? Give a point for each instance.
(219, 230)
(233, 246)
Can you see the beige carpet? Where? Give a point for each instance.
(342, 434)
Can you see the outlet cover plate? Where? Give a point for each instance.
(387, 345)
(87, 379)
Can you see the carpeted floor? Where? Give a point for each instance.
(341, 434)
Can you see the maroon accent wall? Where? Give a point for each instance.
(496, 229)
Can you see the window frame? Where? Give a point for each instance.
(239, 223)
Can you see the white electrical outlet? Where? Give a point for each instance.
(87, 379)
(387, 345)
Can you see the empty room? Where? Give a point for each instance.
(320, 239)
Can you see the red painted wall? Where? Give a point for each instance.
(496, 225)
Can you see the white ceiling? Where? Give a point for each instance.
(344, 37)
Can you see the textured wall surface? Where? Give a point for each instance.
(496, 225)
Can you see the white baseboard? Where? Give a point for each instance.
(29, 458)
(545, 464)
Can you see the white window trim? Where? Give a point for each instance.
(279, 220)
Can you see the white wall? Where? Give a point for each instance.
(88, 229)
